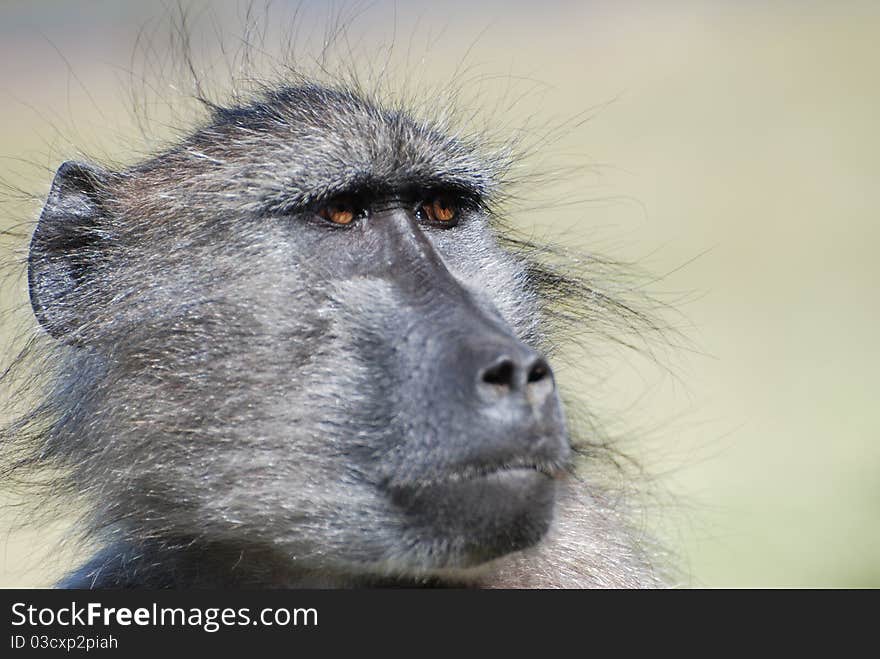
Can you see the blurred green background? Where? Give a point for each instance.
(732, 149)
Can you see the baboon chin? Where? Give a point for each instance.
(299, 348)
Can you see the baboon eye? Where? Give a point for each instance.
(440, 209)
(340, 211)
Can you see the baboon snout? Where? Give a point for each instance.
(503, 396)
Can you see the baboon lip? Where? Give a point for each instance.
(502, 470)
(492, 471)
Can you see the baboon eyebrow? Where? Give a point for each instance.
(368, 189)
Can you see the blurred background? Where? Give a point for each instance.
(731, 149)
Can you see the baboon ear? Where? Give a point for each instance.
(65, 249)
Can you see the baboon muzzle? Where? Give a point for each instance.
(488, 397)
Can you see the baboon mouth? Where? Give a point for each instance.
(501, 472)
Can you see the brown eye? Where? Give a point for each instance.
(440, 209)
(338, 212)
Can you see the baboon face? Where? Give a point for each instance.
(296, 328)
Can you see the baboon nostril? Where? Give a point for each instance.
(500, 374)
(507, 373)
(538, 371)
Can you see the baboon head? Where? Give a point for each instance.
(296, 332)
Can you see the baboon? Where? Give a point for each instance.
(299, 349)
